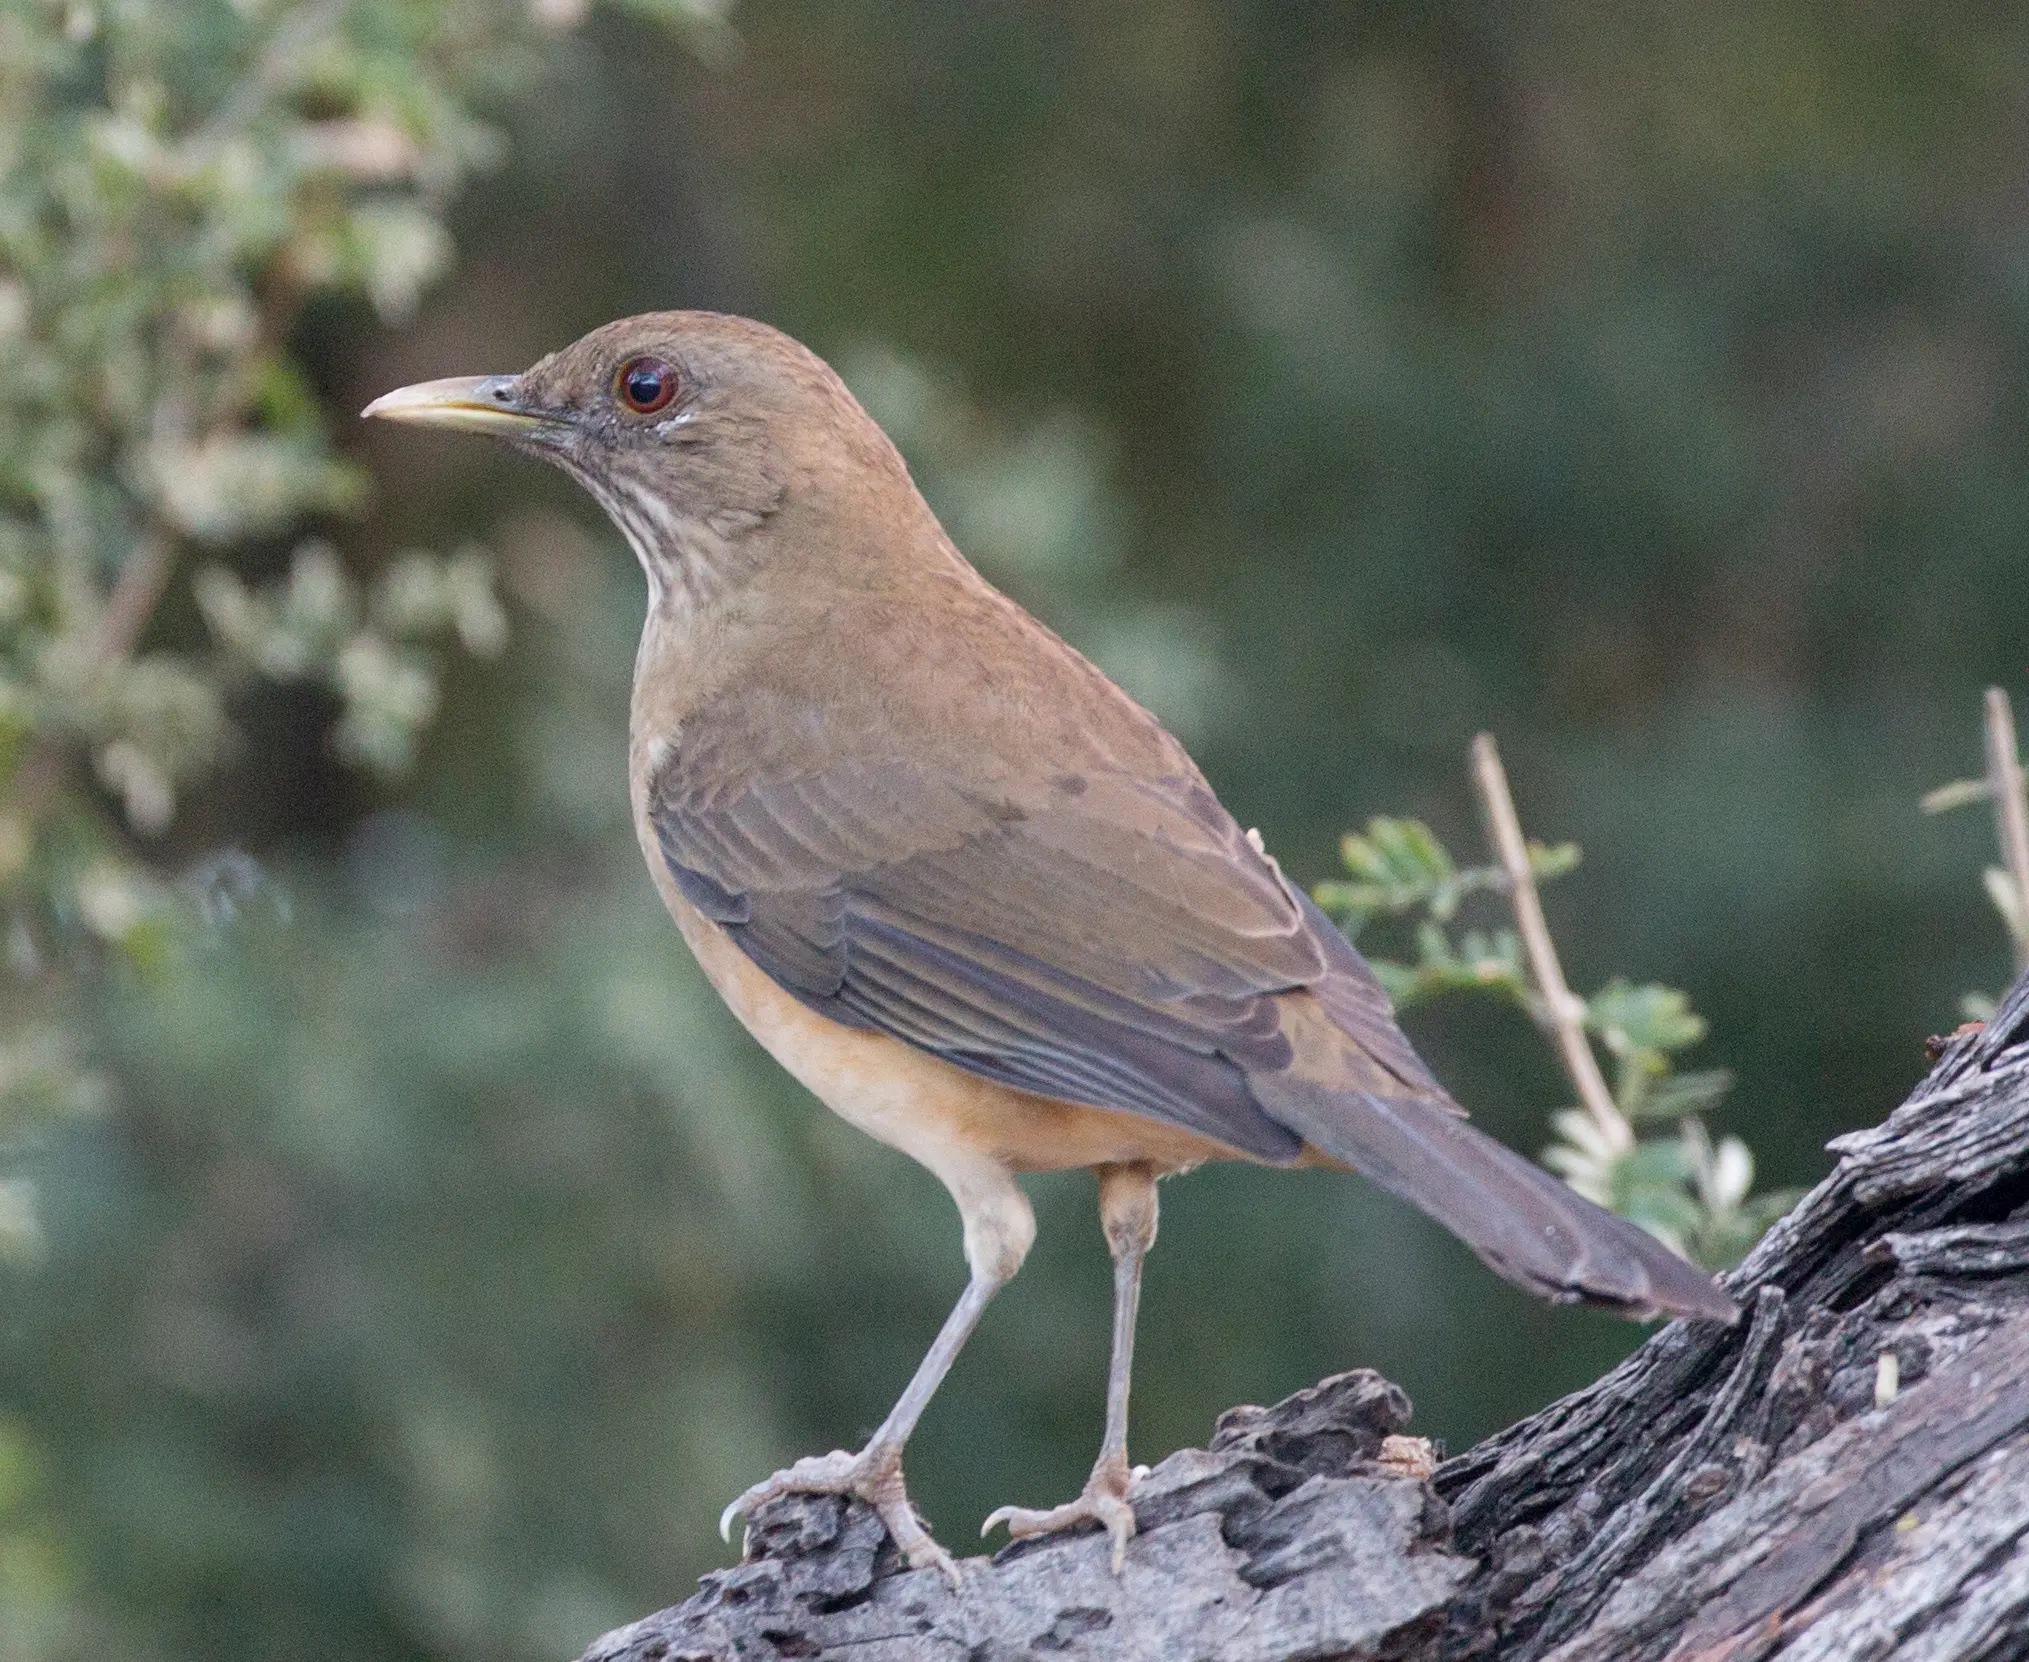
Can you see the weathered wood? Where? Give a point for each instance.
(1775, 1490)
(1741, 1495)
(1286, 1538)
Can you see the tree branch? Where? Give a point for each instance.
(1563, 1012)
(136, 593)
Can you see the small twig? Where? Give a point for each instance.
(2011, 813)
(135, 596)
(1563, 1010)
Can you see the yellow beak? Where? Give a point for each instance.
(471, 403)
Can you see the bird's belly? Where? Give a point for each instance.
(939, 1115)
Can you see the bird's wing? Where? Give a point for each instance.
(1100, 937)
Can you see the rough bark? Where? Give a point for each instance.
(1723, 1496)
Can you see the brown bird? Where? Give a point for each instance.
(963, 887)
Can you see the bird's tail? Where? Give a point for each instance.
(1523, 1222)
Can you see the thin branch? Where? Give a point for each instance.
(1563, 1010)
(135, 596)
(2011, 813)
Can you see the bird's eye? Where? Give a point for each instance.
(645, 385)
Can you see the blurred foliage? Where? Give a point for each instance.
(1681, 1187)
(423, 1256)
(178, 183)
(311, 628)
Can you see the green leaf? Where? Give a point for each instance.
(1645, 1019)
(1721, 1240)
(1960, 793)
(1496, 958)
(1477, 962)
(1582, 1155)
(1398, 981)
(2007, 901)
(1548, 861)
(1396, 865)
(1676, 1095)
(1654, 1162)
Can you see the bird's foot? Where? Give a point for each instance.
(1104, 1502)
(873, 1475)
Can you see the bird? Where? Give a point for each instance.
(964, 888)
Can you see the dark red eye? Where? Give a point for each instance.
(645, 385)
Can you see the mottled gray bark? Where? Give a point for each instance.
(1723, 1496)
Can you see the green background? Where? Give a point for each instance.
(1643, 384)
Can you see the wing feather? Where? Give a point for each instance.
(1117, 946)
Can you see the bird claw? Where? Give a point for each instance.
(1104, 1502)
(873, 1475)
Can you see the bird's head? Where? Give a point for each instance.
(691, 429)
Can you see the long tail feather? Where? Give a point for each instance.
(1523, 1222)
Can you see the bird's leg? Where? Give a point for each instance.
(1127, 1209)
(999, 1227)
(874, 1474)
